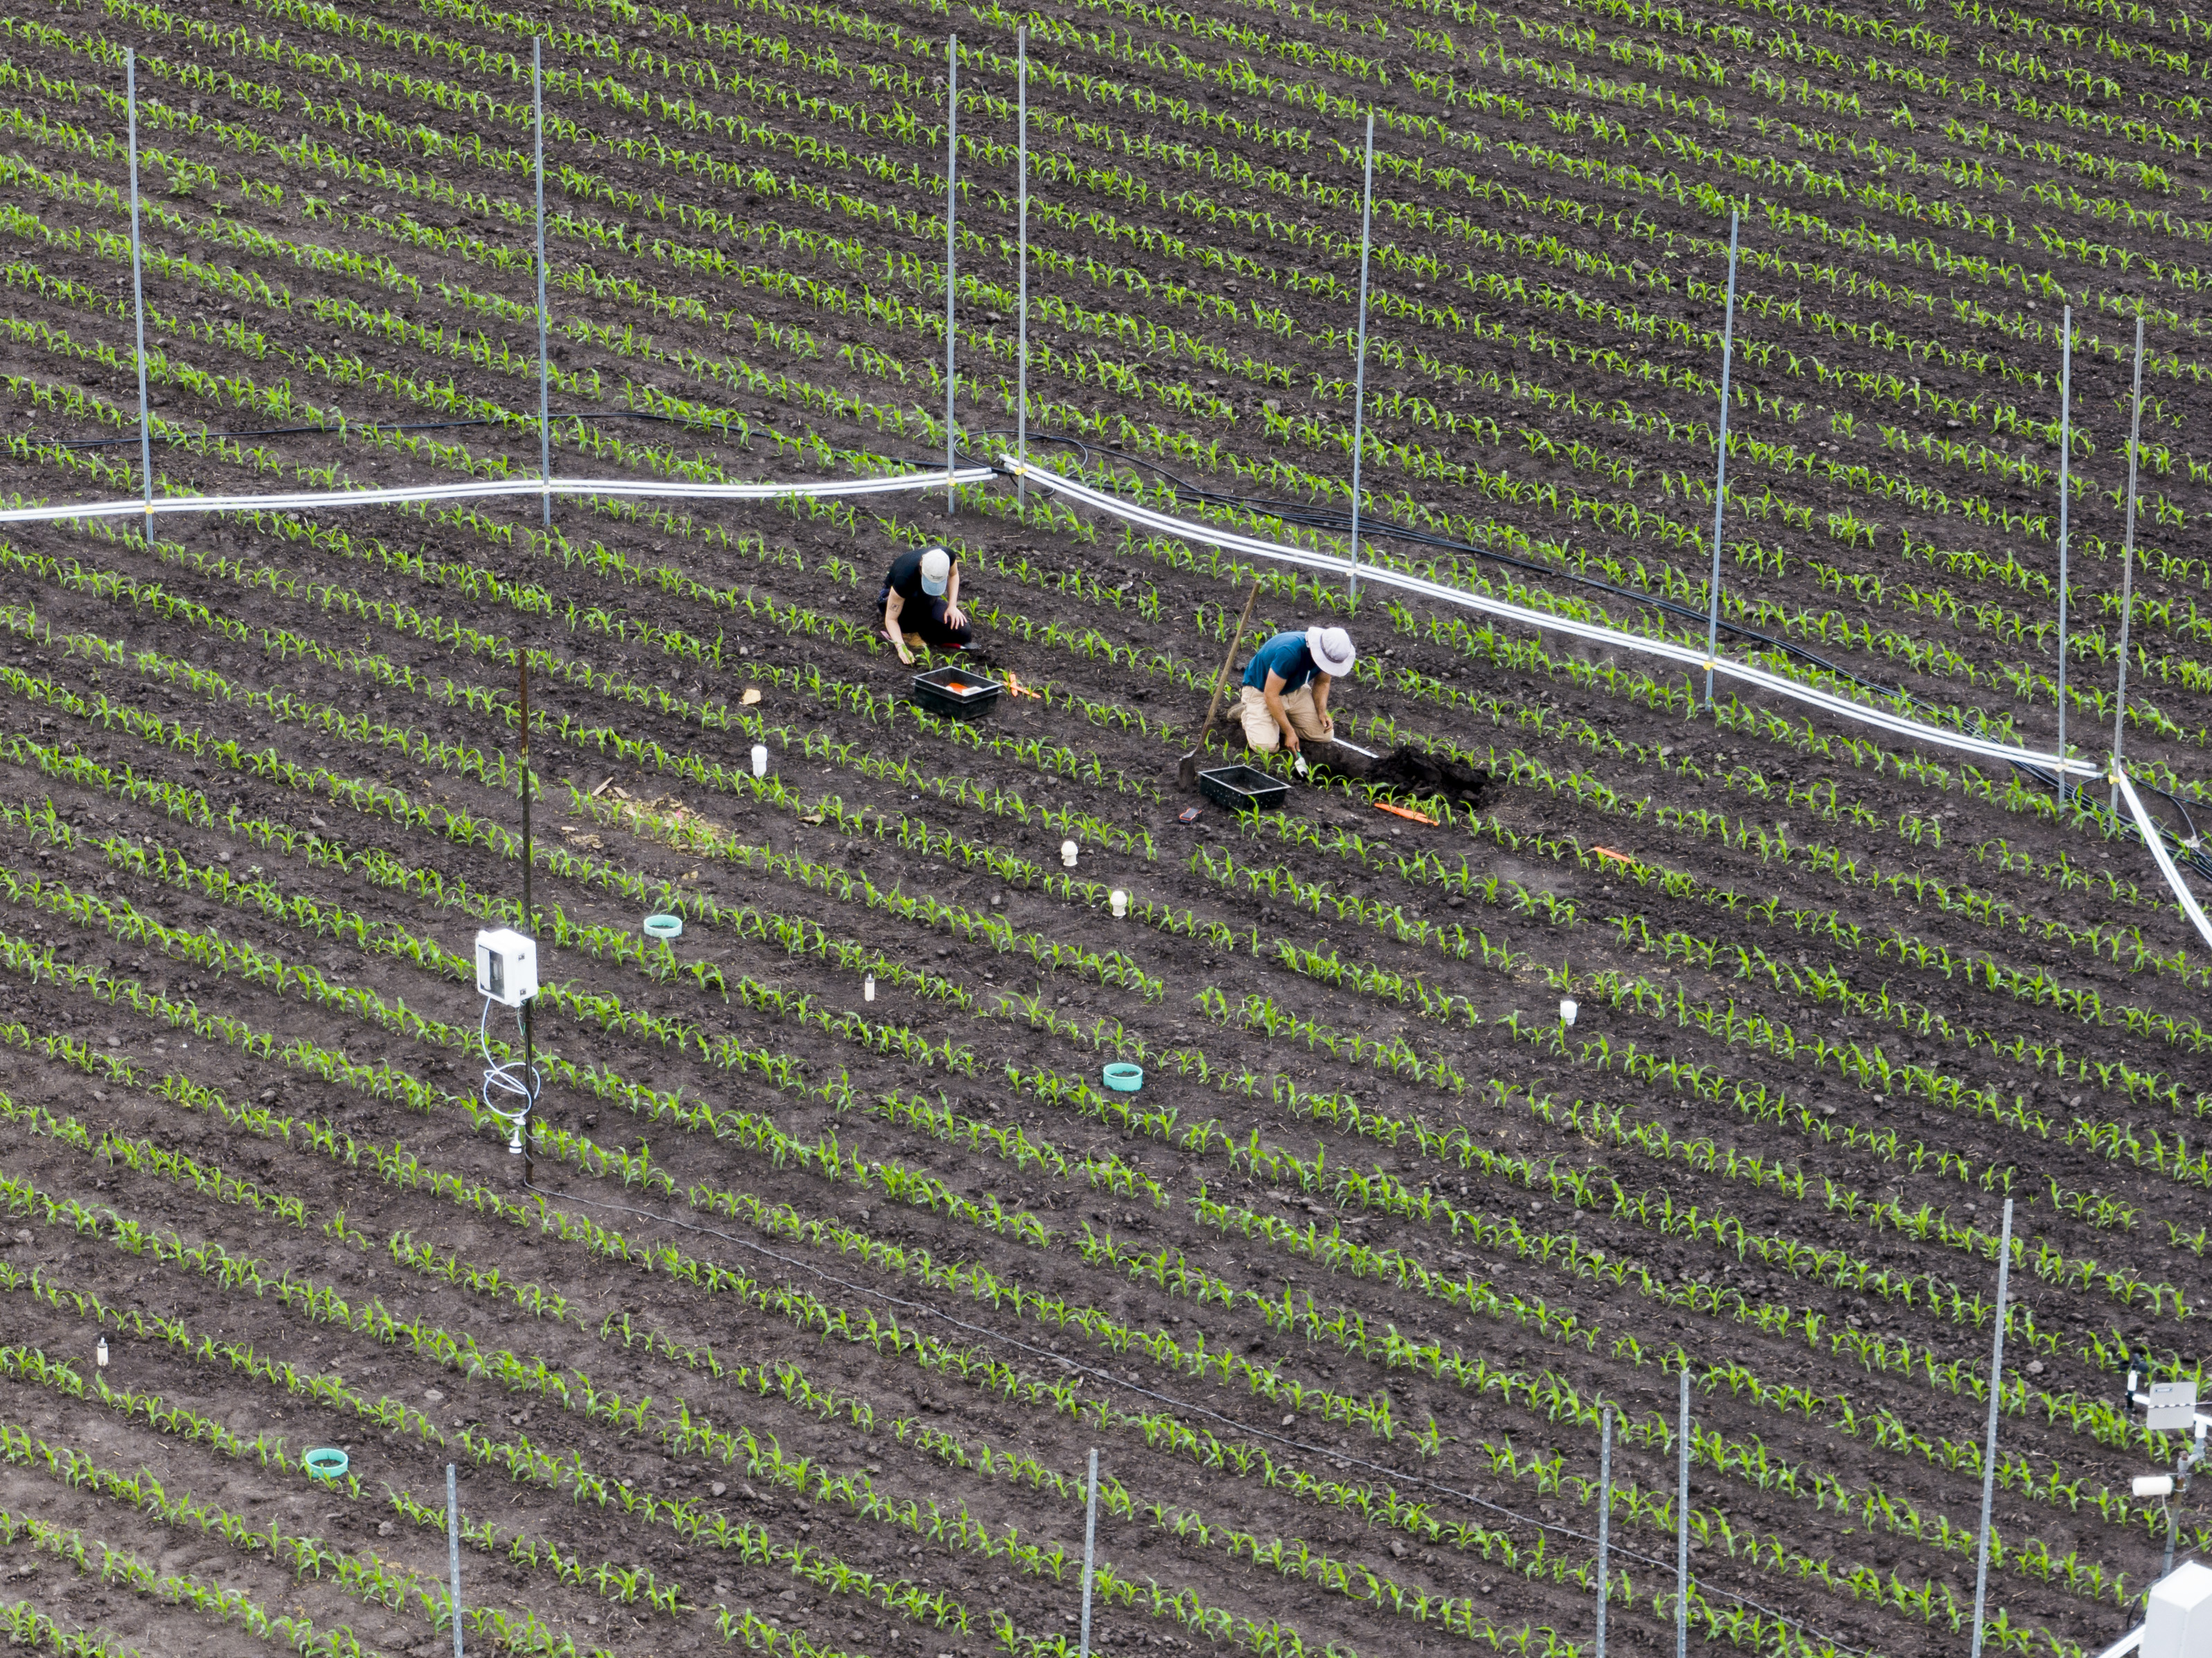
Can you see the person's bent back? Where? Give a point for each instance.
(922, 603)
(1286, 684)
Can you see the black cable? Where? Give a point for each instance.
(1309, 516)
(1108, 1377)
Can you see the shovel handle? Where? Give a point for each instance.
(1221, 678)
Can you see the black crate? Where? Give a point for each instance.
(955, 692)
(1241, 788)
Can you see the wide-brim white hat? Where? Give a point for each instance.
(1331, 650)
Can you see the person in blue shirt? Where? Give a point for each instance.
(1286, 684)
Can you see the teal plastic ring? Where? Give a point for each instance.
(329, 1463)
(1124, 1078)
(664, 927)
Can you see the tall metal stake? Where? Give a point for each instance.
(545, 363)
(454, 1551)
(1604, 1523)
(1720, 467)
(2127, 573)
(1359, 370)
(1682, 1521)
(138, 289)
(2065, 453)
(1022, 255)
(1990, 1439)
(1090, 1539)
(952, 236)
(529, 926)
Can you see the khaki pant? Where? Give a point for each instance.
(1260, 728)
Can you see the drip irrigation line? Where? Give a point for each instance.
(1306, 515)
(1047, 1357)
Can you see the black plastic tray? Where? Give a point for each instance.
(935, 691)
(1241, 788)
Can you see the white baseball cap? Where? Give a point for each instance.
(937, 571)
(1332, 651)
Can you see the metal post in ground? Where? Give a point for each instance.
(2065, 452)
(521, 1142)
(454, 1551)
(138, 289)
(1989, 1438)
(1089, 1543)
(544, 362)
(1720, 468)
(2127, 573)
(1359, 353)
(1022, 256)
(1682, 1520)
(1604, 1523)
(952, 237)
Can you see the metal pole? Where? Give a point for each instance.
(138, 289)
(1090, 1539)
(1720, 467)
(1359, 371)
(545, 363)
(2065, 451)
(529, 925)
(454, 1551)
(2127, 573)
(1022, 254)
(1682, 1521)
(1990, 1439)
(952, 236)
(1604, 1523)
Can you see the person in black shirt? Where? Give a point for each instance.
(922, 603)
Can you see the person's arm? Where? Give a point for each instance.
(892, 606)
(953, 613)
(1272, 693)
(1322, 682)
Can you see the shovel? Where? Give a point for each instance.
(1186, 769)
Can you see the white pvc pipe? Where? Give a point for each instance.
(2154, 838)
(1827, 701)
(319, 499)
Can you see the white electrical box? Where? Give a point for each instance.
(2177, 1622)
(506, 966)
(2171, 1406)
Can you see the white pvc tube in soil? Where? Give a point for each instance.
(2065, 450)
(138, 282)
(1359, 354)
(545, 363)
(2128, 574)
(1021, 254)
(1682, 1520)
(952, 238)
(1720, 468)
(1604, 1523)
(1827, 702)
(454, 1551)
(1989, 1438)
(1089, 1545)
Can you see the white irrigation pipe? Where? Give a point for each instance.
(2155, 840)
(317, 499)
(1981, 748)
